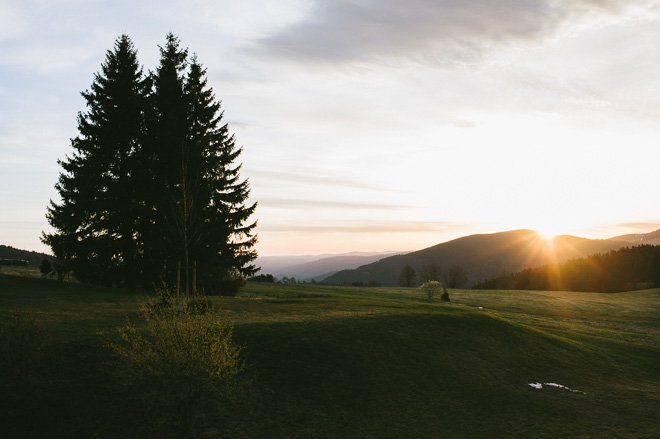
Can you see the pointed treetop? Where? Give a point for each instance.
(172, 53)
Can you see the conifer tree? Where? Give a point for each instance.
(152, 192)
(220, 239)
(167, 130)
(200, 204)
(95, 223)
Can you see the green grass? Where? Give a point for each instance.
(366, 362)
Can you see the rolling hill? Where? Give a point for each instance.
(652, 238)
(482, 256)
(350, 362)
(34, 258)
(317, 267)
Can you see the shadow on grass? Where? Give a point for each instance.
(454, 374)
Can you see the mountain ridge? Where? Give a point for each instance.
(482, 256)
(34, 258)
(317, 267)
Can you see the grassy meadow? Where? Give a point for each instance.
(362, 362)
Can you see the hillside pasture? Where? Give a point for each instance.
(329, 361)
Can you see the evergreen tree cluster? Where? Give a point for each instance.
(152, 192)
(619, 270)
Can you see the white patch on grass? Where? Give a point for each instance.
(539, 386)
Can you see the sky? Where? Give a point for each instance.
(371, 125)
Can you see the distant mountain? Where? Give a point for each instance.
(316, 267)
(481, 256)
(652, 238)
(34, 258)
(275, 264)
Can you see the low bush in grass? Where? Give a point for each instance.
(22, 340)
(182, 364)
(431, 289)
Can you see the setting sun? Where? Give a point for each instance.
(548, 233)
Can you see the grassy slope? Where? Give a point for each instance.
(380, 362)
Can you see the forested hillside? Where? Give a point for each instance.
(621, 270)
(34, 258)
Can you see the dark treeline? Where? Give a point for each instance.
(152, 191)
(619, 270)
(455, 277)
(34, 258)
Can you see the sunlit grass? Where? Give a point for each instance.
(382, 362)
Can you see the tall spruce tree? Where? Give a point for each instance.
(201, 235)
(220, 239)
(166, 143)
(96, 221)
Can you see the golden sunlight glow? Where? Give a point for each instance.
(547, 233)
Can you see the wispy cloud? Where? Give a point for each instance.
(641, 226)
(292, 203)
(448, 31)
(369, 227)
(316, 179)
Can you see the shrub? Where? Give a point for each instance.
(263, 278)
(445, 295)
(166, 303)
(183, 363)
(431, 288)
(45, 268)
(22, 341)
(224, 283)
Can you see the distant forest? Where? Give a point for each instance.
(619, 270)
(33, 258)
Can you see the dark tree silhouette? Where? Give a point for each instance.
(408, 277)
(215, 229)
(456, 277)
(619, 270)
(45, 267)
(165, 188)
(430, 272)
(152, 192)
(95, 223)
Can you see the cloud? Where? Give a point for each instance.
(442, 31)
(367, 227)
(642, 226)
(322, 180)
(12, 23)
(288, 203)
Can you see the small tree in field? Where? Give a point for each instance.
(408, 277)
(430, 272)
(431, 288)
(456, 277)
(445, 295)
(45, 268)
(183, 364)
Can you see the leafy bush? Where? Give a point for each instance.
(45, 268)
(263, 278)
(445, 295)
(22, 341)
(431, 288)
(183, 363)
(224, 283)
(167, 303)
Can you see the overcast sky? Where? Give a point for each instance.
(371, 124)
